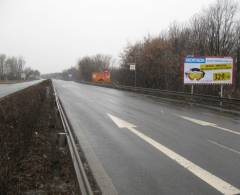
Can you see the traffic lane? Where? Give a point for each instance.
(228, 120)
(228, 137)
(194, 146)
(7, 89)
(225, 120)
(199, 153)
(222, 119)
(122, 104)
(188, 139)
(133, 165)
(194, 143)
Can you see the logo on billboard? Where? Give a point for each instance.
(195, 60)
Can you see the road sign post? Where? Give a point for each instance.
(133, 68)
(221, 92)
(221, 95)
(192, 89)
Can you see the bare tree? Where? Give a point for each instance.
(221, 20)
(20, 67)
(70, 74)
(11, 68)
(31, 74)
(2, 64)
(89, 64)
(198, 35)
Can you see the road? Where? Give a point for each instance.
(6, 89)
(146, 146)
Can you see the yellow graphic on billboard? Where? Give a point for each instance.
(215, 66)
(195, 74)
(221, 76)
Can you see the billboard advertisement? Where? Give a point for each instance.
(104, 76)
(208, 70)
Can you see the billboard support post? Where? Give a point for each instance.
(221, 92)
(192, 89)
(221, 95)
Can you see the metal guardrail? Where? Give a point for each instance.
(182, 95)
(232, 103)
(84, 185)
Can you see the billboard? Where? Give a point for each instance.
(208, 70)
(104, 76)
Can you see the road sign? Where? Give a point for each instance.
(132, 67)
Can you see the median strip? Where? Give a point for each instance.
(34, 157)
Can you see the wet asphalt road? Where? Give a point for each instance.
(136, 167)
(6, 89)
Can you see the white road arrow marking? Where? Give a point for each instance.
(121, 123)
(205, 123)
(214, 181)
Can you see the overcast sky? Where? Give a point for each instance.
(53, 34)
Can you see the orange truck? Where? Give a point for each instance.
(104, 77)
